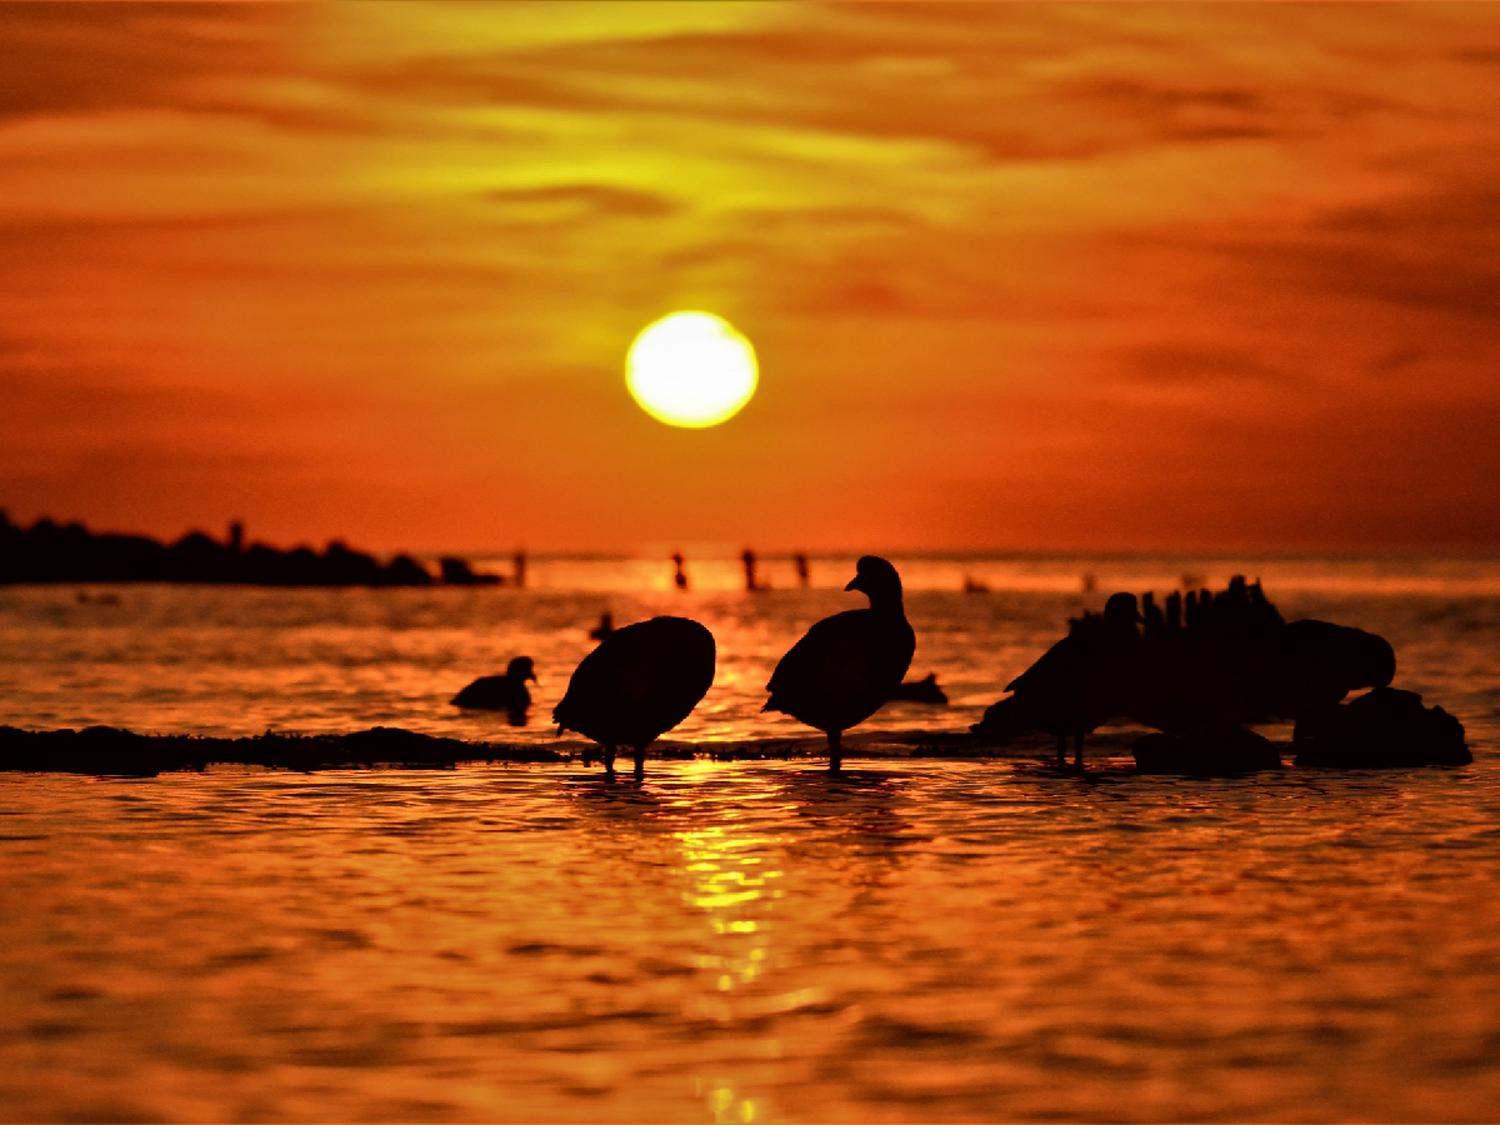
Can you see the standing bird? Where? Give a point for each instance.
(638, 684)
(849, 664)
(1085, 679)
(501, 693)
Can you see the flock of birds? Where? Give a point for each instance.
(1201, 658)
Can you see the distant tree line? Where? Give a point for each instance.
(51, 552)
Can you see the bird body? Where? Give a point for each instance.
(847, 666)
(639, 683)
(1318, 663)
(1085, 679)
(501, 693)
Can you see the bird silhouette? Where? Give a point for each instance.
(925, 690)
(501, 693)
(1083, 680)
(638, 684)
(1318, 663)
(847, 665)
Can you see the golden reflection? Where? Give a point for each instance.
(728, 878)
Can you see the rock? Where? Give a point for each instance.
(1382, 729)
(1216, 749)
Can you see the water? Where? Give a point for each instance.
(919, 940)
(240, 660)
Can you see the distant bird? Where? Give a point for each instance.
(1082, 681)
(501, 693)
(638, 684)
(925, 690)
(847, 665)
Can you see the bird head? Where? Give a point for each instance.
(877, 579)
(1121, 612)
(520, 669)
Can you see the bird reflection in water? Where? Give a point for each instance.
(853, 810)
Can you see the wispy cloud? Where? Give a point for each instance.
(1030, 259)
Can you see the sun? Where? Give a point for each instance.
(691, 369)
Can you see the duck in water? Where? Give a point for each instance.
(501, 693)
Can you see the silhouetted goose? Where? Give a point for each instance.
(1316, 663)
(1085, 679)
(501, 693)
(847, 665)
(638, 684)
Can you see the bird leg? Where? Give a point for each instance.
(1078, 751)
(640, 763)
(609, 761)
(1062, 751)
(835, 751)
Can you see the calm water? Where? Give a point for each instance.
(737, 942)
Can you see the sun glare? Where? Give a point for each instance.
(691, 369)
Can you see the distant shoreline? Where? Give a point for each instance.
(49, 553)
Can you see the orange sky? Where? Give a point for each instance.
(1021, 276)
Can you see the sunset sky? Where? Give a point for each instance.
(1020, 276)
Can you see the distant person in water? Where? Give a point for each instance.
(847, 665)
(804, 576)
(605, 627)
(679, 577)
(752, 580)
(638, 684)
(501, 693)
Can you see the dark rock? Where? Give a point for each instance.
(50, 552)
(457, 572)
(109, 751)
(1382, 729)
(1218, 749)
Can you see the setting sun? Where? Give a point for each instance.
(691, 369)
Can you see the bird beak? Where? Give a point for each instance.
(854, 584)
(532, 677)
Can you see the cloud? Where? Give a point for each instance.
(572, 201)
(67, 58)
